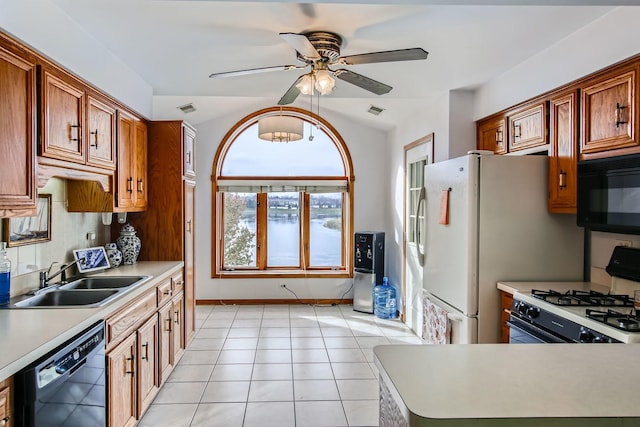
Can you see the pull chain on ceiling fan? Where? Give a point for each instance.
(320, 50)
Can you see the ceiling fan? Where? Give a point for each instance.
(320, 50)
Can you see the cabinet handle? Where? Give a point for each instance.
(146, 351)
(562, 179)
(132, 359)
(177, 319)
(188, 157)
(77, 138)
(130, 185)
(168, 292)
(168, 324)
(4, 421)
(140, 186)
(619, 109)
(498, 136)
(517, 134)
(96, 139)
(189, 226)
(180, 282)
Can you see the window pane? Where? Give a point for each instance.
(239, 230)
(251, 156)
(325, 230)
(283, 229)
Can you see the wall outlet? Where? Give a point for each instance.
(91, 235)
(283, 286)
(626, 243)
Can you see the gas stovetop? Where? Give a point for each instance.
(627, 322)
(575, 298)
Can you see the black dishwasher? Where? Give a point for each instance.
(67, 386)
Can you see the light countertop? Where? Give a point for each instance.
(525, 287)
(500, 382)
(26, 334)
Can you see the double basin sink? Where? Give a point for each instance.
(81, 293)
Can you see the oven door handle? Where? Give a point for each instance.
(537, 332)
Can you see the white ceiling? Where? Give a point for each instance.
(175, 45)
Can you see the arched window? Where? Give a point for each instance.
(282, 209)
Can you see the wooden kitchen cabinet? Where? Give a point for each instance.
(18, 136)
(147, 348)
(132, 163)
(101, 132)
(609, 114)
(171, 208)
(6, 403)
(178, 328)
(492, 134)
(165, 344)
(62, 116)
(528, 127)
(506, 299)
(563, 152)
(122, 387)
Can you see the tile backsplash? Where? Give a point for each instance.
(69, 231)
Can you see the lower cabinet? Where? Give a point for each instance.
(121, 387)
(506, 299)
(6, 403)
(145, 342)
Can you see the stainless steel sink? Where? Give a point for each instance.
(65, 298)
(104, 282)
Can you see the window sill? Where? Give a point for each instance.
(254, 274)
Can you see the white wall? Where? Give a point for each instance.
(369, 152)
(42, 25)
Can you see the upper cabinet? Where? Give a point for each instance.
(17, 130)
(189, 154)
(132, 163)
(101, 132)
(528, 127)
(492, 134)
(609, 114)
(563, 152)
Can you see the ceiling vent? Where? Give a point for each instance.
(375, 110)
(187, 108)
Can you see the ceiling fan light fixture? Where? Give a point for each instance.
(324, 82)
(305, 85)
(280, 128)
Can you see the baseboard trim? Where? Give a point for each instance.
(273, 301)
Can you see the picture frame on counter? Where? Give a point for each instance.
(28, 230)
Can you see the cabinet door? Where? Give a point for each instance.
(491, 135)
(62, 118)
(148, 381)
(177, 329)
(125, 185)
(165, 346)
(563, 156)
(121, 392)
(528, 127)
(101, 133)
(506, 299)
(18, 135)
(6, 404)
(189, 151)
(609, 113)
(189, 261)
(140, 164)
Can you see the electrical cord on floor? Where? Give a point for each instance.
(342, 297)
(296, 295)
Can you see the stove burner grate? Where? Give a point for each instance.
(623, 321)
(583, 298)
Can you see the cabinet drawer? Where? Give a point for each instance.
(129, 318)
(164, 292)
(177, 281)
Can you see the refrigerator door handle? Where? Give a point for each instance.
(455, 317)
(417, 226)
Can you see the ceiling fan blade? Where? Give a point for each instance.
(291, 94)
(254, 71)
(364, 82)
(387, 56)
(301, 44)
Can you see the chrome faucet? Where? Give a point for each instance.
(44, 275)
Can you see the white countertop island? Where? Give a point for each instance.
(510, 385)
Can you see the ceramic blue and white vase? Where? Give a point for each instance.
(129, 244)
(114, 254)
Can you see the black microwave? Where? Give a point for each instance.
(609, 194)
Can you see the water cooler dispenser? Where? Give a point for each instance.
(368, 268)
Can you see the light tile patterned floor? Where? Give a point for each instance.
(277, 365)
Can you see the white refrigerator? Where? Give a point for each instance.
(486, 220)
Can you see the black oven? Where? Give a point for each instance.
(609, 194)
(523, 332)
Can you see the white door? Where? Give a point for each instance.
(417, 155)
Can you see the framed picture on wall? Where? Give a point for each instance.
(30, 229)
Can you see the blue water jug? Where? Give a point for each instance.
(384, 300)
